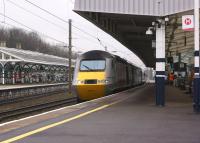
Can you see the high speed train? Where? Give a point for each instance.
(99, 73)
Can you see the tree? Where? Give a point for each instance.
(30, 41)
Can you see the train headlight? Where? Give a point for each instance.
(79, 81)
(103, 81)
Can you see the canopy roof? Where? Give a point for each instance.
(19, 55)
(128, 20)
(135, 7)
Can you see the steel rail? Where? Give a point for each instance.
(24, 111)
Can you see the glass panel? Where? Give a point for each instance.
(92, 65)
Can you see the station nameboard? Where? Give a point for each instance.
(188, 22)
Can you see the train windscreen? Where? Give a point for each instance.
(92, 65)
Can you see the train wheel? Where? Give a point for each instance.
(78, 100)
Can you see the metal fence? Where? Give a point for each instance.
(12, 94)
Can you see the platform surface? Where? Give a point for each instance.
(128, 117)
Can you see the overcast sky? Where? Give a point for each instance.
(58, 29)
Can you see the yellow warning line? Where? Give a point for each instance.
(55, 124)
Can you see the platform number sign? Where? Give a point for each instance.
(188, 22)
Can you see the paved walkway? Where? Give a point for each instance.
(134, 120)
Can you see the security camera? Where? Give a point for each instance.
(166, 19)
(149, 31)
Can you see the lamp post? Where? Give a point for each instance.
(70, 57)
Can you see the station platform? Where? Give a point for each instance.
(127, 117)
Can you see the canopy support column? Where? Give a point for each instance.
(196, 102)
(3, 69)
(2, 73)
(160, 63)
(13, 77)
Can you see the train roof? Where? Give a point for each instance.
(98, 54)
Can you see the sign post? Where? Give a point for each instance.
(196, 101)
(70, 57)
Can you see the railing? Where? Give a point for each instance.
(15, 93)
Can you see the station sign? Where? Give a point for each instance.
(188, 22)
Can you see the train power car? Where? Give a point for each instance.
(99, 73)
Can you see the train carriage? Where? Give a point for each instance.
(99, 73)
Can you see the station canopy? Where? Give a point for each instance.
(128, 20)
(19, 55)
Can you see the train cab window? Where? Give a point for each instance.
(92, 65)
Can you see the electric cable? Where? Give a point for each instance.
(31, 28)
(59, 18)
(36, 15)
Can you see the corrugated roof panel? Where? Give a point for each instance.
(127, 5)
(135, 7)
(147, 8)
(176, 6)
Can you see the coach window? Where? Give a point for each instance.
(92, 65)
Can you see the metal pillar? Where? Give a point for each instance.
(3, 74)
(3, 69)
(196, 101)
(160, 63)
(70, 56)
(13, 77)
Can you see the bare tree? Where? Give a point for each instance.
(30, 41)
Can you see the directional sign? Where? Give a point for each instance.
(188, 22)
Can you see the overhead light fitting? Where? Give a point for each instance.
(149, 31)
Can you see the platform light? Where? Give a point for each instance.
(103, 81)
(80, 82)
(149, 31)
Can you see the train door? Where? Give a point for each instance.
(127, 75)
(132, 74)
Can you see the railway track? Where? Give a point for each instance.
(32, 110)
(12, 94)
